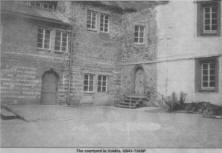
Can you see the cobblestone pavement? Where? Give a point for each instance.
(96, 126)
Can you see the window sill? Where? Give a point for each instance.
(139, 44)
(43, 49)
(89, 92)
(93, 30)
(59, 52)
(207, 90)
(209, 34)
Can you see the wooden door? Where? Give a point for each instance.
(139, 82)
(49, 88)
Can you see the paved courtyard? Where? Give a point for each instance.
(88, 126)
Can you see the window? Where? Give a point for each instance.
(61, 41)
(91, 20)
(43, 40)
(102, 83)
(209, 17)
(139, 34)
(88, 82)
(104, 22)
(207, 74)
(48, 5)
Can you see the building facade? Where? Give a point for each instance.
(94, 52)
(190, 50)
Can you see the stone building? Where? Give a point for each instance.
(95, 52)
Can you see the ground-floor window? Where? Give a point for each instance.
(207, 74)
(88, 82)
(102, 83)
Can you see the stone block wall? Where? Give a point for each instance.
(134, 55)
(23, 64)
(95, 52)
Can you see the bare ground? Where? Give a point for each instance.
(96, 126)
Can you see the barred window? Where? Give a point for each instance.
(102, 83)
(88, 82)
(139, 34)
(43, 40)
(61, 41)
(91, 19)
(104, 22)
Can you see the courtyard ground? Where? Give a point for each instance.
(96, 126)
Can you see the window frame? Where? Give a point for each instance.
(138, 33)
(43, 38)
(90, 20)
(90, 79)
(103, 23)
(61, 41)
(51, 5)
(199, 74)
(101, 86)
(201, 18)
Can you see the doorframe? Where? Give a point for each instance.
(50, 71)
(135, 69)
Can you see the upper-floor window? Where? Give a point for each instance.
(102, 83)
(91, 20)
(48, 5)
(207, 74)
(139, 34)
(88, 82)
(209, 17)
(104, 22)
(61, 41)
(43, 40)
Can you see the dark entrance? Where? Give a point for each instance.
(49, 87)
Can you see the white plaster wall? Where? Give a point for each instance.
(177, 32)
(179, 44)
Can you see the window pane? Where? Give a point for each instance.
(207, 27)
(212, 84)
(207, 15)
(205, 78)
(214, 27)
(212, 78)
(85, 88)
(214, 15)
(136, 28)
(207, 9)
(207, 21)
(136, 40)
(57, 40)
(141, 40)
(104, 89)
(86, 77)
(205, 84)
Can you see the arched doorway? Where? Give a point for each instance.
(139, 81)
(49, 87)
